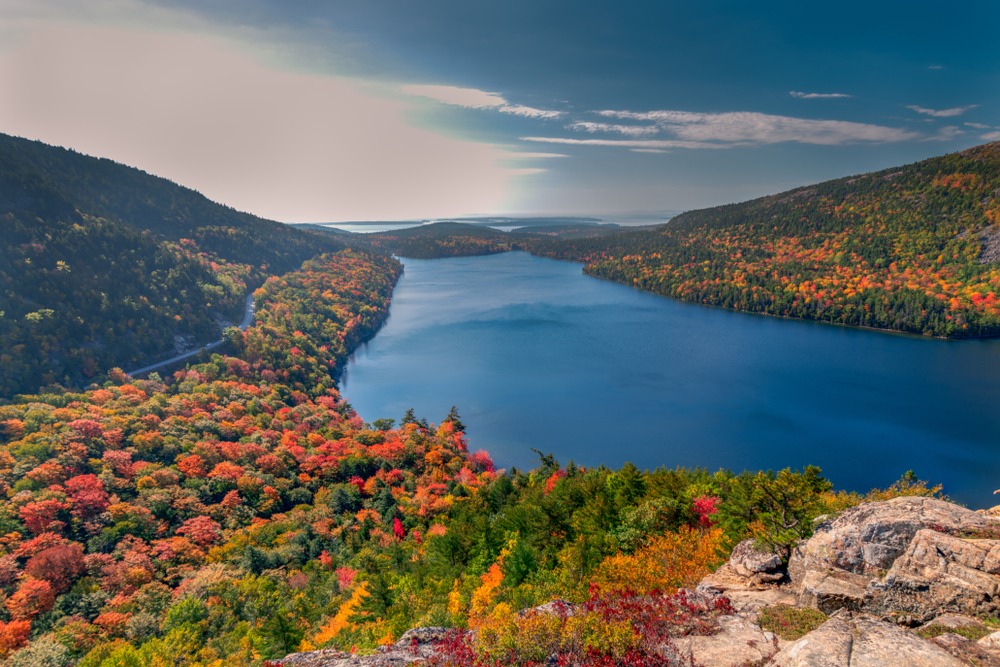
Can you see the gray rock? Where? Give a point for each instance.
(862, 642)
(831, 590)
(966, 650)
(738, 641)
(991, 642)
(756, 565)
(415, 645)
(867, 539)
(940, 573)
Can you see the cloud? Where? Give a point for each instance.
(942, 113)
(935, 67)
(977, 126)
(742, 128)
(473, 98)
(991, 136)
(817, 96)
(204, 111)
(946, 133)
(627, 130)
(648, 150)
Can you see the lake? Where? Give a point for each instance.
(535, 354)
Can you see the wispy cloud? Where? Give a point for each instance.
(817, 96)
(946, 133)
(688, 129)
(935, 67)
(977, 126)
(941, 113)
(991, 136)
(473, 98)
(627, 130)
(648, 150)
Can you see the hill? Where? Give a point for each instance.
(913, 248)
(104, 265)
(439, 239)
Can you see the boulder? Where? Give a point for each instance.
(757, 566)
(868, 538)
(940, 573)
(862, 642)
(415, 645)
(830, 590)
(966, 650)
(737, 641)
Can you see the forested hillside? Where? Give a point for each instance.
(914, 248)
(240, 510)
(103, 265)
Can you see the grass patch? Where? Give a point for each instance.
(790, 622)
(973, 632)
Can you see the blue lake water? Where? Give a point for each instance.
(537, 355)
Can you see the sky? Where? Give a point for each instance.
(335, 110)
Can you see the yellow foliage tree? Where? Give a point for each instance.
(669, 562)
(341, 620)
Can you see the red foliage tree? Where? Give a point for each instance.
(59, 565)
(40, 516)
(13, 635)
(201, 530)
(87, 496)
(33, 597)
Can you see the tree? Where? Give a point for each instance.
(33, 597)
(776, 509)
(455, 419)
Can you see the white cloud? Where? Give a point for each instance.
(817, 96)
(977, 126)
(473, 98)
(751, 128)
(946, 133)
(627, 130)
(942, 113)
(991, 136)
(659, 151)
(202, 110)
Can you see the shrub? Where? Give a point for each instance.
(790, 622)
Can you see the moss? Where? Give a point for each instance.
(973, 632)
(790, 622)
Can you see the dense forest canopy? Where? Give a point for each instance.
(914, 248)
(103, 265)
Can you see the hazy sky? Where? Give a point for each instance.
(316, 110)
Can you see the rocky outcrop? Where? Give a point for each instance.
(862, 642)
(877, 569)
(911, 558)
(737, 641)
(868, 539)
(416, 645)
